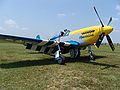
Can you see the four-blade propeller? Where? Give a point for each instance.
(100, 39)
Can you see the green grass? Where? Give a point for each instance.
(22, 69)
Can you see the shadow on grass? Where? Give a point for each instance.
(50, 61)
(85, 59)
(28, 63)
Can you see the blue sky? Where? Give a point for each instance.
(48, 17)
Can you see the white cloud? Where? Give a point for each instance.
(115, 19)
(1, 28)
(64, 14)
(118, 9)
(117, 31)
(73, 14)
(11, 24)
(61, 15)
(24, 28)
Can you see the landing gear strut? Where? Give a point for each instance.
(91, 54)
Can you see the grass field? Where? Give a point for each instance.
(22, 69)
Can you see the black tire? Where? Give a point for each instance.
(78, 56)
(92, 57)
(75, 56)
(60, 60)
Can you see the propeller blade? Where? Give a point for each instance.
(109, 21)
(99, 41)
(110, 42)
(98, 17)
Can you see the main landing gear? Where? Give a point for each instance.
(91, 54)
(75, 53)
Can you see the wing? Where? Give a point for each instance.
(43, 46)
(21, 40)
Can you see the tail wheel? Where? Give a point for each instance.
(92, 56)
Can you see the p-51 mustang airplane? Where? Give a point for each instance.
(68, 42)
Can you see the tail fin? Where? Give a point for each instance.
(38, 37)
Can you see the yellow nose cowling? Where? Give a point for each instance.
(107, 29)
